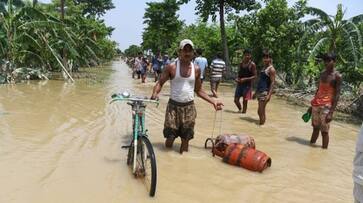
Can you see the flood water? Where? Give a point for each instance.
(61, 142)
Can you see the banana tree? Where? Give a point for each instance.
(335, 34)
(18, 45)
(32, 38)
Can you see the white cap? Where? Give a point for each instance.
(185, 42)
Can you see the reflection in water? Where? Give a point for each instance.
(61, 142)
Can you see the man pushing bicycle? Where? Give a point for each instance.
(180, 113)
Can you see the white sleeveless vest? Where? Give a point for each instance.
(182, 89)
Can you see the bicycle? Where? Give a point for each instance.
(140, 151)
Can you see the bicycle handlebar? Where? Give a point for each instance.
(119, 97)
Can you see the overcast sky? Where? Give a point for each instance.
(127, 17)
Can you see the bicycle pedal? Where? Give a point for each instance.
(125, 147)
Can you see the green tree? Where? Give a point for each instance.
(275, 27)
(207, 8)
(238, 33)
(95, 7)
(31, 39)
(209, 43)
(335, 34)
(132, 50)
(162, 25)
(335, 31)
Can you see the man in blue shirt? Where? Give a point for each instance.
(157, 62)
(202, 62)
(166, 61)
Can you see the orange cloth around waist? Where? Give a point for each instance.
(324, 96)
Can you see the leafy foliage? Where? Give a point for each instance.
(4, 3)
(335, 34)
(209, 43)
(210, 8)
(162, 25)
(34, 37)
(95, 7)
(276, 27)
(133, 51)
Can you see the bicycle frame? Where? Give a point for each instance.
(138, 108)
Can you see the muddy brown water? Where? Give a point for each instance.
(60, 142)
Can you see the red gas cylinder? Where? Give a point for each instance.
(246, 157)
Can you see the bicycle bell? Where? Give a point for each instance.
(125, 94)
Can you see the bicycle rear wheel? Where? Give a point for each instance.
(146, 164)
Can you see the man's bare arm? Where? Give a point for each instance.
(272, 79)
(165, 76)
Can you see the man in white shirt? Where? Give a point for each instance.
(185, 80)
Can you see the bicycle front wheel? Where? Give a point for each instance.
(146, 164)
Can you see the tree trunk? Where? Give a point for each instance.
(62, 10)
(64, 51)
(35, 2)
(223, 35)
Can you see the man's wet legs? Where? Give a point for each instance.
(245, 102)
(156, 76)
(261, 111)
(184, 145)
(214, 93)
(314, 135)
(325, 136)
(238, 104)
(169, 142)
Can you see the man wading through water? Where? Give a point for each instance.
(265, 85)
(325, 100)
(180, 113)
(246, 75)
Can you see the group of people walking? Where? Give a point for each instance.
(142, 65)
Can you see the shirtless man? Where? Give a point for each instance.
(325, 100)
